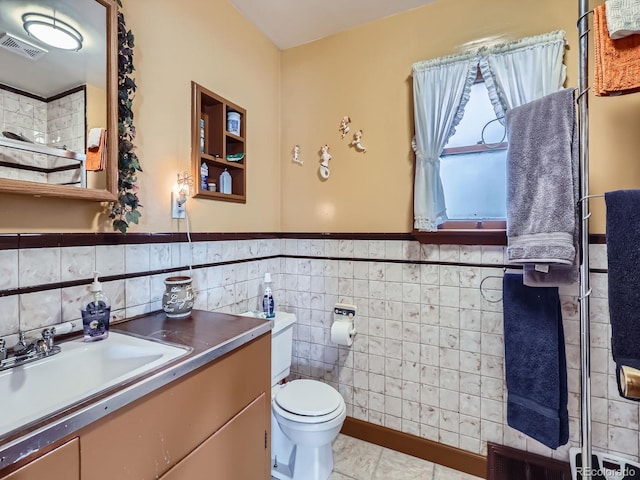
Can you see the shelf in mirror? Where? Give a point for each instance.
(43, 149)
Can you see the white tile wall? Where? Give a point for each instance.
(38, 266)
(428, 356)
(60, 121)
(65, 121)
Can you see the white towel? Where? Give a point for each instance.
(623, 18)
(93, 140)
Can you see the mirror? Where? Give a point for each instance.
(53, 101)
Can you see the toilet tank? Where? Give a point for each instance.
(281, 346)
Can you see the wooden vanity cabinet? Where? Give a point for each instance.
(212, 423)
(61, 463)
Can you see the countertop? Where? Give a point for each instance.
(208, 335)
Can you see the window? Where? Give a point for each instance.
(473, 163)
(514, 73)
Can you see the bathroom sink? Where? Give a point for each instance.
(41, 388)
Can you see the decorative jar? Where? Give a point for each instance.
(177, 300)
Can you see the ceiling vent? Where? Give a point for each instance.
(20, 47)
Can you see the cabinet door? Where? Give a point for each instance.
(63, 463)
(238, 451)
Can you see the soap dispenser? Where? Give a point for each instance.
(268, 305)
(96, 313)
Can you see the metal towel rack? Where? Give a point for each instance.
(585, 290)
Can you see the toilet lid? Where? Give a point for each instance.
(308, 397)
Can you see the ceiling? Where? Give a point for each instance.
(289, 23)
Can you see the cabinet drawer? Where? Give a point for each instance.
(148, 437)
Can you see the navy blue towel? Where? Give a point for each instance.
(623, 257)
(535, 362)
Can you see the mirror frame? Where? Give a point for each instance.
(98, 195)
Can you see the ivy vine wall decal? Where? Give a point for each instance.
(125, 210)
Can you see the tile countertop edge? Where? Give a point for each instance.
(202, 352)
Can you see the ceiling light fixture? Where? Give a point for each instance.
(52, 31)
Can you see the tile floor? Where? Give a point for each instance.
(358, 460)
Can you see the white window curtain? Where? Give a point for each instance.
(515, 73)
(440, 92)
(522, 71)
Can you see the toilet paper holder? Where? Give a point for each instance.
(343, 329)
(344, 309)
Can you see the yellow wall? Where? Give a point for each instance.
(298, 96)
(213, 45)
(365, 73)
(175, 43)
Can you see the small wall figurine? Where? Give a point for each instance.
(356, 142)
(344, 125)
(324, 164)
(296, 155)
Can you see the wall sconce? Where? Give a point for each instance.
(179, 195)
(52, 31)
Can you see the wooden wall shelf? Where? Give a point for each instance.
(209, 121)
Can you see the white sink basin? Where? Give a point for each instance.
(32, 391)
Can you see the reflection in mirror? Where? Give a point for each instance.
(56, 100)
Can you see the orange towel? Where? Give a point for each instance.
(97, 157)
(617, 62)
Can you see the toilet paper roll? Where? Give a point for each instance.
(342, 333)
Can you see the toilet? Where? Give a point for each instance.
(306, 415)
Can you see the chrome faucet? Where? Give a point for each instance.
(46, 343)
(23, 352)
(21, 348)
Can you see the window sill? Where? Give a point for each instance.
(465, 233)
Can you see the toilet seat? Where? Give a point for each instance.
(308, 401)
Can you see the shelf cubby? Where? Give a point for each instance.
(218, 143)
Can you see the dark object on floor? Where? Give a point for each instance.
(506, 463)
(603, 466)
